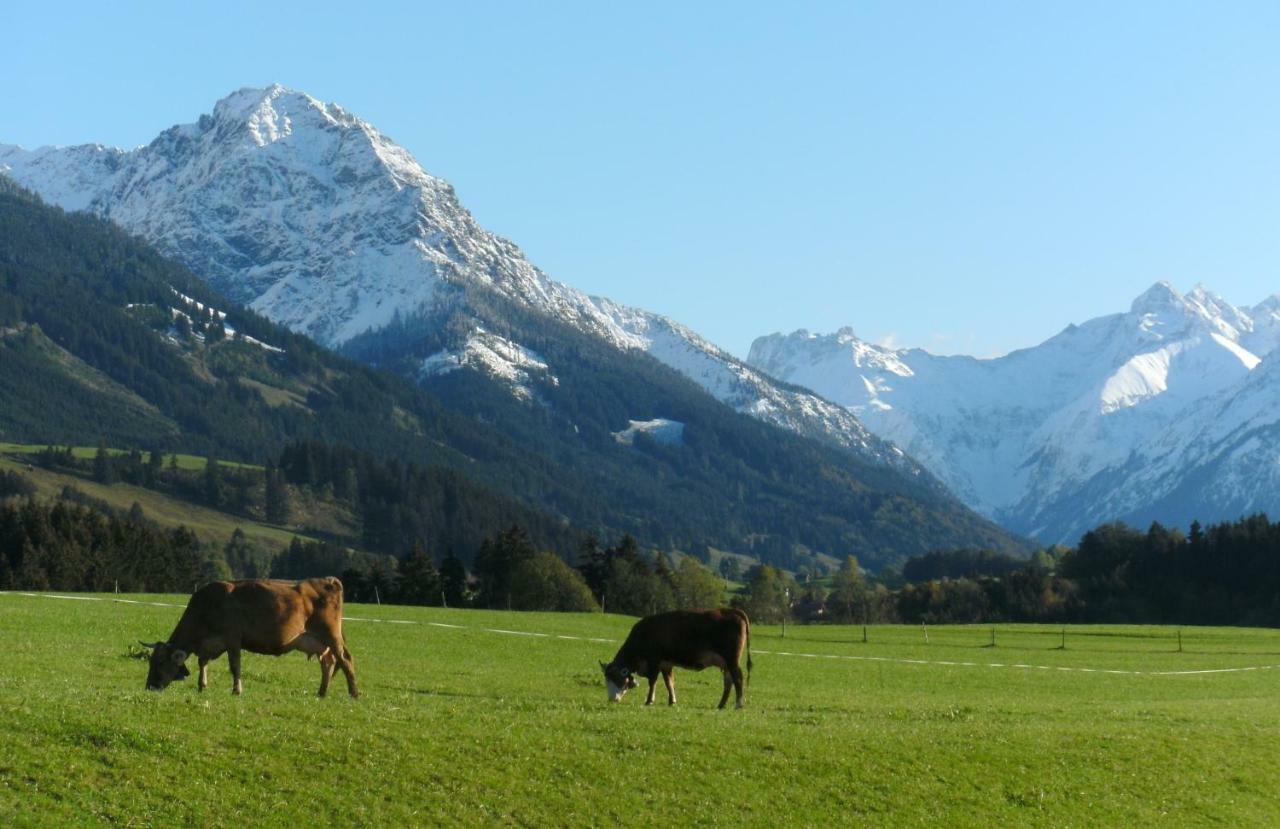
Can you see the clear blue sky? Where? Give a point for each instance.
(968, 177)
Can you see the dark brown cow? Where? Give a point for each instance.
(693, 639)
(271, 617)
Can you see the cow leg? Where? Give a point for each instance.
(342, 657)
(233, 659)
(204, 674)
(736, 673)
(348, 666)
(653, 684)
(728, 683)
(668, 677)
(327, 663)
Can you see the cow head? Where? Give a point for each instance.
(168, 663)
(618, 679)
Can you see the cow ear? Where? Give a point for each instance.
(603, 666)
(148, 645)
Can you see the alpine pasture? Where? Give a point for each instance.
(469, 719)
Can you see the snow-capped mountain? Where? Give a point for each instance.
(1168, 412)
(312, 217)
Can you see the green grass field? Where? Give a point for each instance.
(465, 726)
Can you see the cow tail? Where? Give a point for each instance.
(748, 621)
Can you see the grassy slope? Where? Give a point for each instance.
(208, 524)
(466, 727)
(187, 462)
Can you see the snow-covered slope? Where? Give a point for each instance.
(1162, 412)
(309, 215)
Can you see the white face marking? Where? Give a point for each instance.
(615, 693)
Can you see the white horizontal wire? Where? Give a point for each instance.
(898, 660)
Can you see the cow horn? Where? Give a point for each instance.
(602, 665)
(148, 644)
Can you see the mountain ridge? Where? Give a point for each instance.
(108, 300)
(310, 216)
(1054, 438)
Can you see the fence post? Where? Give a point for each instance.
(926, 632)
(993, 636)
(1179, 640)
(376, 597)
(864, 634)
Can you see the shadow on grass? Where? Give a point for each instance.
(436, 692)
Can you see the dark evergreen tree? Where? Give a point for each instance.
(419, 581)
(104, 471)
(277, 496)
(155, 466)
(453, 581)
(496, 561)
(211, 482)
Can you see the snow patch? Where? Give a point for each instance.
(498, 357)
(669, 432)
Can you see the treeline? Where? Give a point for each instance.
(402, 504)
(420, 553)
(397, 505)
(510, 572)
(1226, 574)
(81, 543)
(69, 546)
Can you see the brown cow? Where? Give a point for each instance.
(693, 639)
(271, 617)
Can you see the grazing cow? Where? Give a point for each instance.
(271, 617)
(693, 639)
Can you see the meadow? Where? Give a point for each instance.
(468, 720)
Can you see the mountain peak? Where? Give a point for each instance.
(268, 114)
(1161, 296)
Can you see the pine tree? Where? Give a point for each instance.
(496, 561)
(593, 564)
(419, 580)
(155, 464)
(277, 496)
(104, 471)
(133, 471)
(453, 580)
(212, 481)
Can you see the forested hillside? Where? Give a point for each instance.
(102, 338)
